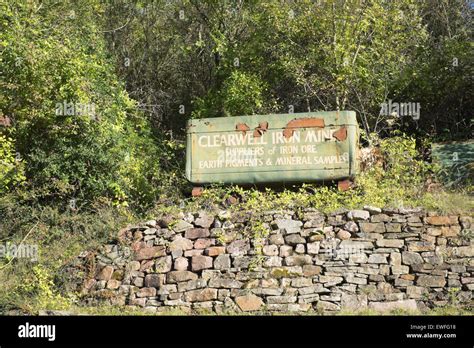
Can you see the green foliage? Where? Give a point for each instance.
(400, 180)
(42, 288)
(109, 152)
(259, 233)
(11, 168)
(60, 236)
(241, 94)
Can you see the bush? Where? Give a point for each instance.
(78, 131)
(11, 167)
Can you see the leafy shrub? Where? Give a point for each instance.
(56, 56)
(11, 168)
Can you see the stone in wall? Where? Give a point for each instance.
(371, 258)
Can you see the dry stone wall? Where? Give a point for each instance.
(283, 261)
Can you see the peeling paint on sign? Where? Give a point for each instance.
(242, 127)
(341, 134)
(307, 122)
(262, 128)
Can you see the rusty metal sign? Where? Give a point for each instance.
(277, 148)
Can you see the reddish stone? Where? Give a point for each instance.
(203, 243)
(150, 252)
(214, 251)
(201, 295)
(146, 292)
(249, 302)
(442, 220)
(200, 262)
(105, 273)
(195, 233)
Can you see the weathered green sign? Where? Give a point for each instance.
(277, 148)
(456, 161)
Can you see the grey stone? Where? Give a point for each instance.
(354, 302)
(289, 307)
(301, 282)
(355, 245)
(399, 269)
(372, 210)
(290, 226)
(330, 280)
(351, 278)
(204, 220)
(358, 215)
(180, 276)
(276, 239)
(294, 239)
(393, 227)
(163, 264)
(238, 247)
(300, 249)
(286, 250)
(273, 261)
(298, 260)
(308, 298)
(431, 281)
(351, 226)
(395, 259)
(267, 292)
(313, 248)
(241, 261)
(316, 222)
(150, 231)
(176, 253)
(281, 299)
(377, 258)
(191, 285)
(411, 258)
(181, 226)
(270, 250)
(313, 289)
(372, 227)
(225, 283)
(222, 262)
(416, 292)
(180, 243)
(465, 251)
(390, 243)
(327, 306)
